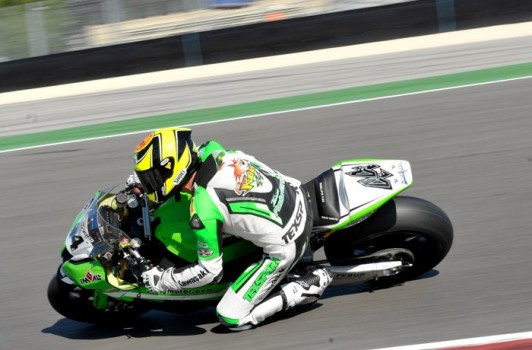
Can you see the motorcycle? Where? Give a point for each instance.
(369, 234)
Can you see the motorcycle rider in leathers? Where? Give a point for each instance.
(233, 193)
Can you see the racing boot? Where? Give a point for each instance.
(305, 290)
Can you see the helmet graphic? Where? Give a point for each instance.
(163, 160)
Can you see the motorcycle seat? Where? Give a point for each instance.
(324, 197)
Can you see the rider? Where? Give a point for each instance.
(233, 193)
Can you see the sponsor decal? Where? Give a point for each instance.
(402, 172)
(189, 291)
(350, 275)
(179, 178)
(247, 176)
(362, 218)
(194, 279)
(303, 284)
(255, 287)
(107, 256)
(322, 193)
(90, 277)
(275, 280)
(86, 235)
(204, 253)
(373, 176)
(292, 231)
(144, 142)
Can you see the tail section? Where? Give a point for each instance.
(350, 191)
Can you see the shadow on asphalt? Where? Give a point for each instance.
(370, 287)
(161, 324)
(152, 324)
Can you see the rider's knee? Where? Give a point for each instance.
(232, 309)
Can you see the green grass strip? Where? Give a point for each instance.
(267, 106)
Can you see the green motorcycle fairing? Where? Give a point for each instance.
(174, 231)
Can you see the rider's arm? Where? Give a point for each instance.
(207, 224)
(207, 221)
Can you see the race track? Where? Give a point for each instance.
(471, 152)
(256, 85)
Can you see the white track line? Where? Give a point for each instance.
(465, 342)
(273, 113)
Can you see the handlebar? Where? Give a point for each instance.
(136, 266)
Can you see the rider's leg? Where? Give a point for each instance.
(245, 303)
(306, 289)
(254, 285)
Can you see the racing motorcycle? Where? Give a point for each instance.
(368, 233)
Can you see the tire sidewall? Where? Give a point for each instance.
(402, 214)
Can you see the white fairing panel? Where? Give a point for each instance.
(81, 250)
(364, 183)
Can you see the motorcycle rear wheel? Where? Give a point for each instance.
(76, 304)
(409, 223)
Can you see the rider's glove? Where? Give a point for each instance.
(152, 279)
(132, 181)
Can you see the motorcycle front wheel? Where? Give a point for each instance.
(77, 304)
(408, 223)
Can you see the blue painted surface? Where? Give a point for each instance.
(192, 49)
(446, 15)
(230, 3)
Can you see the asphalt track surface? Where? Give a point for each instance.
(471, 153)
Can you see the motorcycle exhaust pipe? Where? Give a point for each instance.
(342, 275)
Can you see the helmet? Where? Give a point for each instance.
(163, 160)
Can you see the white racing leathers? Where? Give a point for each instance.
(258, 204)
(238, 195)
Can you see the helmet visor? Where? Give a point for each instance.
(153, 179)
